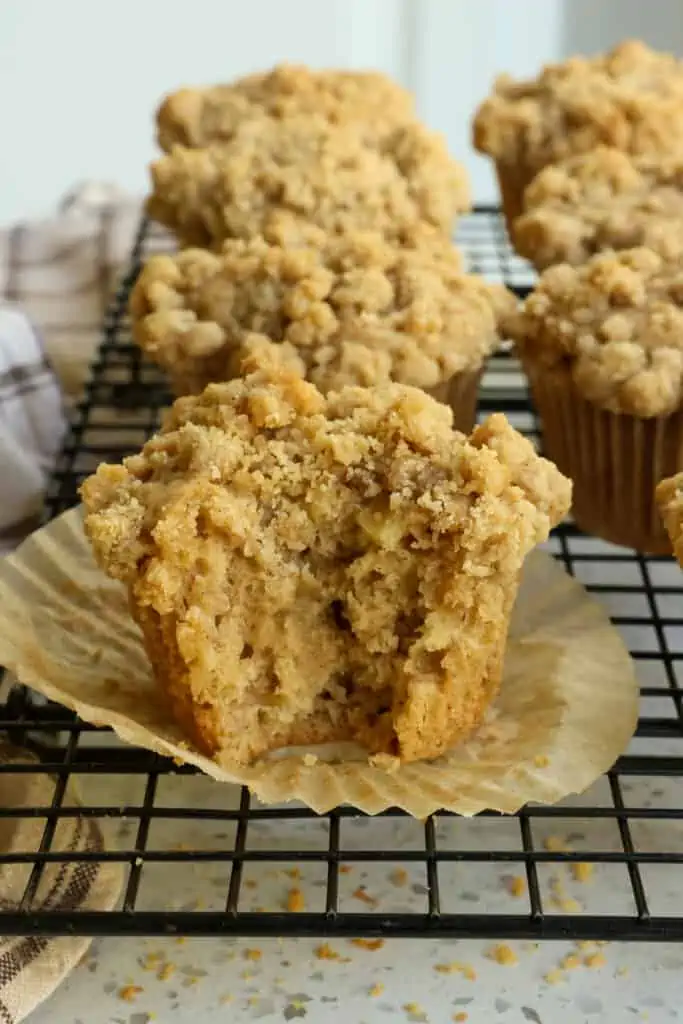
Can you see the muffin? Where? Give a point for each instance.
(630, 98)
(602, 345)
(306, 171)
(353, 309)
(602, 200)
(310, 570)
(669, 497)
(367, 99)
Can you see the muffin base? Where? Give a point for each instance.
(615, 461)
(461, 393)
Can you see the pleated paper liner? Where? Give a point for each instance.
(460, 393)
(615, 461)
(566, 709)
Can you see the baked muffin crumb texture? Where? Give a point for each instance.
(307, 569)
(616, 322)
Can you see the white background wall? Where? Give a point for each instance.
(79, 79)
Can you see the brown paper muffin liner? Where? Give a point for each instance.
(566, 709)
(512, 181)
(615, 461)
(461, 392)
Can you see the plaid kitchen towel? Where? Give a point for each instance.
(31, 967)
(31, 424)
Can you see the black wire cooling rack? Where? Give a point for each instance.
(627, 831)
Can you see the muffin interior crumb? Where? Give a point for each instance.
(307, 569)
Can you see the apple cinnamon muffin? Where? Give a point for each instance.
(308, 569)
(367, 99)
(602, 345)
(355, 308)
(669, 497)
(630, 98)
(304, 171)
(604, 199)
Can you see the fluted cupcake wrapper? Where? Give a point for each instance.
(512, 181)
(615, 461)
(460, 393)
(566, 708)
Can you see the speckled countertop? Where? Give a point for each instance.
(131, 981)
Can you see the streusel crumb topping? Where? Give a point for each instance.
(617, 323)
(356, 308)
(630, 98)
(306, 171)
(605, 199)
(351, 557)
(670, 502)
(367, 99)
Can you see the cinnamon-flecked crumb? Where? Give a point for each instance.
(670, 502)
(295, 901)
(604, 199)
(616, 324)
(630, 98)
(370, 944)
(279, 178)
(129, 993)
(308, 569)
(366, 99)
(350, 310)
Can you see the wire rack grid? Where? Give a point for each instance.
(605, 865)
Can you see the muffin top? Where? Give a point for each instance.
(368, 99)
(630, 98)
(617, 323)
(357, 309)
(670, 502)
(266, 468)
(305, 171)
(605, 199)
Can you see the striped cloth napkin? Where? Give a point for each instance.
(56, 278)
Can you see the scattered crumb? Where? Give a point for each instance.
(371, 944)
(181, 940)
(325, 952)
(294, 873)
(456, 967)
(555, 844)
(252, 954)
(622, 971)
(557, 885)
(517, 886)
(595, 960)
(503, 955)
(166, 971)
(541, 761)
(151, 961)
(129, 993)
(295, 901)
(399, 877)
(570, 962)
(376, 990)
(415, 1010)
(365, 897)
(582, 871)
(345, 869)
(249, 883)
(225, 999)
(462, 1016)
(554, 977)
(586, 945)
(254, 1000)
(247, 975)
(569, 905)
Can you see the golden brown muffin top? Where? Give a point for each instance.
(670, 502)
(617, 323)
(605, 199)
(630, 98)
(305, 171)
(357, 309)
(266, 468)
(368, 99)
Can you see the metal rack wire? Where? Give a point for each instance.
(629, 825)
